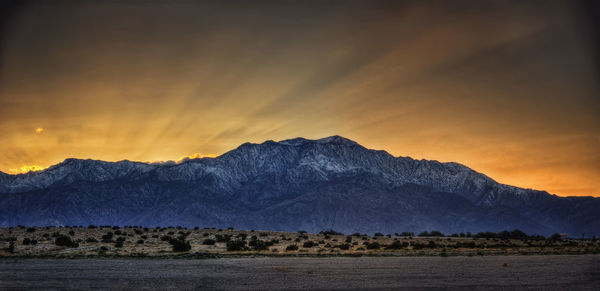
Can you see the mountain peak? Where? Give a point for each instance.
(334, 139)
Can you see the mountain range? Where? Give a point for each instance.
(313, 185)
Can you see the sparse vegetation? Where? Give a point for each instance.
(107, 238)
(236, 245)
(344, 247)
(208, 242)
(180, 245)
(135, 241)
(63, 240)
(397, 245)
(309, 244)
(555, 237)
(223, 237)
(432, 233)
(260, 245)
(331, 232)
(291, 248)
(373, 246)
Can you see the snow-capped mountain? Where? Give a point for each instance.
(289, 185)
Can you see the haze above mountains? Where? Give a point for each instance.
(329, 183)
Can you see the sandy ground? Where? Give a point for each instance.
(565, 272)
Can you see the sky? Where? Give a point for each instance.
(508, 88)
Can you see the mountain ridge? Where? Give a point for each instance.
(292, 142)
(294, 183)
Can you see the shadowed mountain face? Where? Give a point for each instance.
(290, 185)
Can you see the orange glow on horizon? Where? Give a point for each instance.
(179, 160)
(27, 169)
(195, 156)
(36, 168)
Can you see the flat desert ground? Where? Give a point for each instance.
(550, 272)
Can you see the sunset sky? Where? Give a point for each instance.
(508, 88)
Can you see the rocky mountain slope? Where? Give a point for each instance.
(289, 185)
